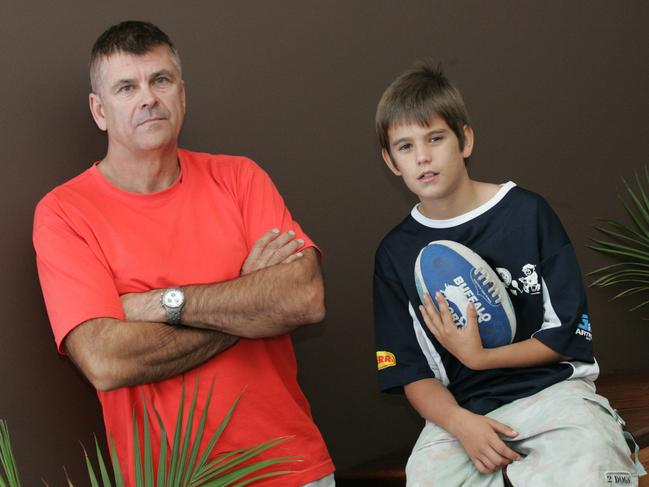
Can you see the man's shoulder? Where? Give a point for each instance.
(217, 162)
(82, 183)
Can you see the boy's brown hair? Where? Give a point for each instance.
(417, 96)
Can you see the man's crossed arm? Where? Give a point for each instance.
(266, 300)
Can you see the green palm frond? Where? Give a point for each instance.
(628, 243)
(185, 468)
(11, 477)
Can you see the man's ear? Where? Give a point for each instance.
(97, 110)
(388, 161)
(468, 141)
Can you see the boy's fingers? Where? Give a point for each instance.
(479, 465)
(431, 310)
(493, 458)
(472, 314)
(502, 428)
(487, 464)
(430, 322)
(504, 451)
(444, 311)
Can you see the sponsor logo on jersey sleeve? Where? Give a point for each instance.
(385, 359)
(583, 328)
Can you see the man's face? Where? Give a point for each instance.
(428, 158)
(140, 100)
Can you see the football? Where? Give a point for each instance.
(462, 276)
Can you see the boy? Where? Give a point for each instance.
(527, 411)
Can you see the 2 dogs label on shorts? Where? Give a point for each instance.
(618, 478)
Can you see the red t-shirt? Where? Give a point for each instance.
(95, 242)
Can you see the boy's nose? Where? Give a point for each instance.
(423, 156)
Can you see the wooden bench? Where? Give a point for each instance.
(627, 391)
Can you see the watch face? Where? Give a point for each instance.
(173, 298)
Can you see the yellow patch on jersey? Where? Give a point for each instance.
(385, 360)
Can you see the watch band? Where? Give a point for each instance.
(173, 315)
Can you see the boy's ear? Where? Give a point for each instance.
(468, 141)
(388, 161)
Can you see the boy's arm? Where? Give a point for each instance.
(478, 434)
(466, 346)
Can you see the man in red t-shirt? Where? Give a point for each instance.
(157, 262)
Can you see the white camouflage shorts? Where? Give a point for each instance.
(567, 436)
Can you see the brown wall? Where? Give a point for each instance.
(558, 92)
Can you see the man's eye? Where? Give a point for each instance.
(125, 88)
(162, 80)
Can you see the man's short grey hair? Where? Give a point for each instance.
(130, 37)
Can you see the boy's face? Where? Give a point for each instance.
(429, 158)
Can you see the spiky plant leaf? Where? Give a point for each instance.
(117, 471)
(191, 464)
(217, 434)
(139, 474)
(627, 243)
(102, 466)
(642, 209)
(148, 455)
(183, 470)
(175, 449)
(626, 236)
(91, 471)
(224, 467)
(11, 474)
(162, 457)
(187, 439)
(636, 220)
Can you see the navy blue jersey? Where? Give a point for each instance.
(521, 238)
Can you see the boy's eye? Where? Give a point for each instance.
(404, 147)
(436, 138)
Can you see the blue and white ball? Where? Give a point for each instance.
(462, 276)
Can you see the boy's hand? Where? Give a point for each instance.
(272, 248)
(463, 343)
(479, 437)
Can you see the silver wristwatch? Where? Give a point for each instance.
(173, 300)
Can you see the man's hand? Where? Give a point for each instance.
(272, 248)
(463, 343)
(479, 437)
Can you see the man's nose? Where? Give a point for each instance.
(148, 98)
